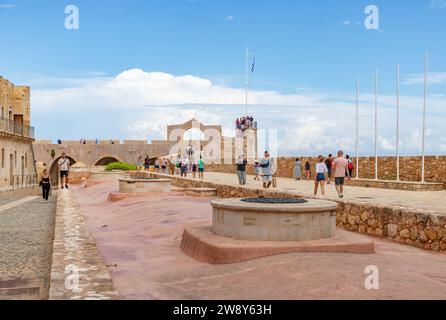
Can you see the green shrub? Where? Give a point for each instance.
(121, 166)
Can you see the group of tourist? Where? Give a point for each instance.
(244, 123)
(340, 167)
(64, 166)
(262, 168)
(189, 164)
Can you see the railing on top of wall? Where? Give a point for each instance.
(10, 126)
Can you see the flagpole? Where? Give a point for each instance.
(357, 127)
(423, 165)
(246, 82)
(398, 125)
(376, 125)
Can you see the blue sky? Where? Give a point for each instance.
(307, 54)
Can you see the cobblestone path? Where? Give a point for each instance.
(26, 243)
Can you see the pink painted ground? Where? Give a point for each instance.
(139, 239)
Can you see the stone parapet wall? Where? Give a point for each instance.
(410, 168)
(394, 185)
(416, 228)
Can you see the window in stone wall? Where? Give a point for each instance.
(3, 158)
(15, 159)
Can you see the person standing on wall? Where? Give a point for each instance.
(64, 169)
(241, 170)
(340, 168)
(45, 183)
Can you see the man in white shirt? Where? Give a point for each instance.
(64, 169)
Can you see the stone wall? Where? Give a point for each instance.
(410, 168)
(417, 228)
(16, 159)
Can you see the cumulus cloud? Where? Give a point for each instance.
(136, 87)
(437, 4)
(418, 78)
(139, 105)
(7, 6)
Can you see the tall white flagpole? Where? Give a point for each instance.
(423, 165)
(357, 127)
(246, 82)
(376, 125)
(398, 124)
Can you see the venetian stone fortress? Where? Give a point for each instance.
(220, 153)
(214, 148)
(17, 166)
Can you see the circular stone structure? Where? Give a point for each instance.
(274, 219)
(145, 185)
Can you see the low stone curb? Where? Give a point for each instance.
(77, 271)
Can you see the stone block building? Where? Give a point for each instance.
(17, 166)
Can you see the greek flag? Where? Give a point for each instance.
(253, 67)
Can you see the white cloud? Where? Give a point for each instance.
(308, 122)
(229, 18)
(135, 87)
(351, 23)
(7, 6)
(437, 4)
(418, 78)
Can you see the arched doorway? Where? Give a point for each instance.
(54, 170)
(106, 161)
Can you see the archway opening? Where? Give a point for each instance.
(194, 135)
(106, 161)
(54, 170)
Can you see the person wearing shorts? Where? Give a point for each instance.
(340, 169)
(201, 169)
(64, 169)
(321, 176)
(267, 170)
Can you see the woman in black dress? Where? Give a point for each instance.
(45, 183)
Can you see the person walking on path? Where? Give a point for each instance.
(140, 163)
(297, 169)
(241, 170)
(147, 163)
(64, 169)
(194, 167)
(321, 175)
(267, 170)
(45, 183)
(307, 170)
(329, 164)
(157, 165)
(350, 166)
(257, 170)
(164, 166)
(184, 166)
(201, 168)
(340, 168)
